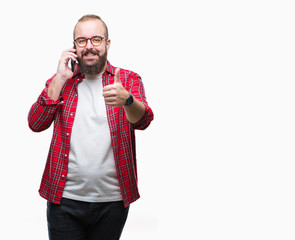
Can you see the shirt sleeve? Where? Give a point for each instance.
(42, 112)
(136, 88)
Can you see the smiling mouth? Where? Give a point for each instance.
(89, 53)
(90, 57)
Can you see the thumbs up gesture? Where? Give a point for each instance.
(115, 94)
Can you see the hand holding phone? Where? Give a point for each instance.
(64, 71)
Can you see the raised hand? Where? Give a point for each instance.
(115, 94)
(64, 72)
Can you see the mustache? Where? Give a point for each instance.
(90, 51)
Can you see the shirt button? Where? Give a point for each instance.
(71, 114)
(63, 175)
(66, 155)
(68, 134)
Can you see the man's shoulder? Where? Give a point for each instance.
(126, 72)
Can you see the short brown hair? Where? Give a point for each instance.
(92, 17)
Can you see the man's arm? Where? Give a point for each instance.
(42, 112)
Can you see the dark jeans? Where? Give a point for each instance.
(75, 220)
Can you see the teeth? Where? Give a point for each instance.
(89, 54)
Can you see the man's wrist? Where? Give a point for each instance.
(129, 100)
(60, 78)
(55, 87)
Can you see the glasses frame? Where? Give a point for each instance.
(102, 38)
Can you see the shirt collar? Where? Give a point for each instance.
(110, 69)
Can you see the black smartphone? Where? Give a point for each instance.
(72, 62)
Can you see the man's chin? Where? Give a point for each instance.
(90, 62)
(91, 68)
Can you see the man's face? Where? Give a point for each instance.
(92, 59)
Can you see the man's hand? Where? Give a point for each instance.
(115, 94)
(63, 73)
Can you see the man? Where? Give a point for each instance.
(90, 177)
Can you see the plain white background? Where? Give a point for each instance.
(218, 160)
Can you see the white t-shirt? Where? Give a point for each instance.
(92, 173)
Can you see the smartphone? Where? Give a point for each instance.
(72, 62)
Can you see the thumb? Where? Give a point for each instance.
(117, 75)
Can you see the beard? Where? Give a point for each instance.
(93, 68)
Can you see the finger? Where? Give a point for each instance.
(108, 94)
(67, 59)
(71, 50)
(117, 75)
(110, 99)
(108, 88)
(70, 54)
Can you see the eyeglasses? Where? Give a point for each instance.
(95, 41)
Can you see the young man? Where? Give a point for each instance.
(90, 177)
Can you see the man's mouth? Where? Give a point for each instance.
(90, 53)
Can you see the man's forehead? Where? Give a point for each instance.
(90, 26)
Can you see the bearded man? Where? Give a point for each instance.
(90, 177)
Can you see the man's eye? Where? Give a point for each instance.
(96, 40)
(81, 41)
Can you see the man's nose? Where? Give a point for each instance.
(88, 44)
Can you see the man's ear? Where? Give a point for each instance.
(108, 43)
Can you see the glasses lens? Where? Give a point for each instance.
(96, 41)
(81, 42)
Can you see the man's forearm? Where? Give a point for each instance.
(55, 88)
